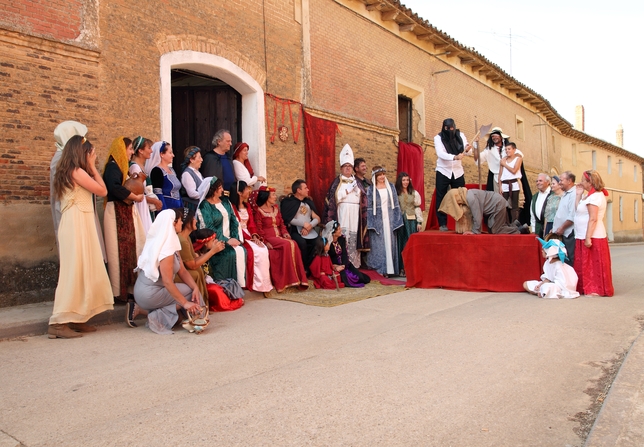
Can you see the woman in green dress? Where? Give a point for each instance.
(412, 215)
(216, 212)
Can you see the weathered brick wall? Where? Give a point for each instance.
(58, 20)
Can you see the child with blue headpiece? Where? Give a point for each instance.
(559, 280)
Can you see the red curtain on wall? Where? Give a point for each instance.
(411, 161)
(320, 157)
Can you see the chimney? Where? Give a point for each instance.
(620, 136)
(580, 118)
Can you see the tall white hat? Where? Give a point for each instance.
(346, 155)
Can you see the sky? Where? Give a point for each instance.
(571, 52)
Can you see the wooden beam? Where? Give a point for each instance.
(407, 27)
(477, 66)
(425, 36)
(440, 46)
(467, 60)
(388, 16)
(375, 6)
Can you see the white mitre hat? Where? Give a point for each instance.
(346, 155)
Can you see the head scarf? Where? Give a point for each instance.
(118, 152)
(451, 138)
(204, 188)
(329, 229)
(592, 188)
(238, 147)
(554, 247)
(155, 158)
(375, 190)
(455, 204)
(186, 161)
(161, 241)
(138, 143)
(67, 129)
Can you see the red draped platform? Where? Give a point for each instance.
(481, 262)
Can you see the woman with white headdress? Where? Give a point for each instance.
(155, 290)
(559, 280)
(165, 183)
(383, 219)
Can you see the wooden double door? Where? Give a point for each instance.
(199, 112)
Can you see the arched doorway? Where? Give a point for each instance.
(253, 130)
(202, 105)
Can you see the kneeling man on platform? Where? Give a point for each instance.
(469, 207)
(300, 215)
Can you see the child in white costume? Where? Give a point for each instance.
(559, 280)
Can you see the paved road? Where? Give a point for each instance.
(421, 367)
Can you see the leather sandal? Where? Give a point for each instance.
(129, 313)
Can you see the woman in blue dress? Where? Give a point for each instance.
(165, 183)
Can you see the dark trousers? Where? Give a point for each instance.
(307, 246)
(442, 186)
(569, 243)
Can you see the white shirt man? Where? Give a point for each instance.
(537, 208)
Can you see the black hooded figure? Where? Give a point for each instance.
(451, 146)
(524, 215)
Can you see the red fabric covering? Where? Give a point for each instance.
(593, 268)
(432, 219)
(218, 301)
(482, 262)
(411, 161)
(320, 156)
(375, 276)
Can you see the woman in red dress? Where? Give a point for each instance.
(287, 269)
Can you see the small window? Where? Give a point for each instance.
(594, 160)
(620, 163)
(637, 211)
(404, 118)
(609, 162)
(635, 173)
(621, 209)
(520, 128)
(574, 154)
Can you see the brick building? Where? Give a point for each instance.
(178, 70)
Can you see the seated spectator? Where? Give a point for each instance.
(155, 290)
(287, 269)
(216, 212)
(257, 257)
(207, 246)
(559, 280)
(350, 275)
(191, 177)
(322, 271)
(301, 218)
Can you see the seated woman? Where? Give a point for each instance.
(155, 290)
(559, 280)
(383, 219)
(324, 273)
(216, 212)
(165, 183)
(350, 275)
(191, 178)
(257, 258)
(287, 269)
(123, 228)
(242, 167)
(214, 296)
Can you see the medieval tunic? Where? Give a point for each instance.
(348, 200)
(142, 206)
(491, 206)
(166, 186)
(563, 281)
(83, 286)
(412, 217)
(351, 276)
(124, 233)
(383, 256)
(258, 261)
(220, 218)
(287, 268)
(296, 213)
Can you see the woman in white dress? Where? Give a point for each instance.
(142, 152)
(242, 167)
